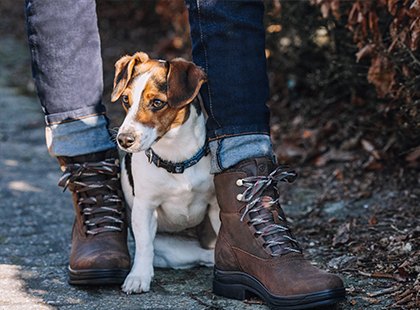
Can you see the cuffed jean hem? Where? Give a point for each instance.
(71, 116)
(80, 137)
(227, 152)
(238, 130)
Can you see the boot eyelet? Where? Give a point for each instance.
(239, 182)
(239, 197)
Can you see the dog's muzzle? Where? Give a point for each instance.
(126, 140)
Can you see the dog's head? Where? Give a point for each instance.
(156, 95)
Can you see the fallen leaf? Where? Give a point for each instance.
(341, 262)
(343, 235)
(365, 51)
(338, 174)
(382, 75)
(307, 133)
(373, 165)
(325, 9)
(333, 155)
(373, 220)
(368, 147)
(414, 155)
(401, 275)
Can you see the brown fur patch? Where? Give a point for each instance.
(164, 119)
(157, 87)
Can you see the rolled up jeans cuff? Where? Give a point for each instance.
(79, 137)
(227, 152)
(74, 115)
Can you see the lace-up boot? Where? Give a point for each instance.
(99, 253)
(256, 253)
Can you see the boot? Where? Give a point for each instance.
(99, 253)
(256, 254)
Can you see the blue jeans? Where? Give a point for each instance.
(228, 43)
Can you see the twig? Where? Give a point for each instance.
(366, 274)
(404, 300)
(383, 291)
(379, 275)
(413, 57)
(404, 294)
(201, 302)
(397, 229)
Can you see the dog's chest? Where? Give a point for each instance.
(186, 202)
(181, 200)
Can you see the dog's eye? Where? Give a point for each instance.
(125, 103)
(157, 104)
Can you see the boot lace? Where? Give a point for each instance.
(265, 213)
(97, 187)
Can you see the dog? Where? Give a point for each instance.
(165, 175)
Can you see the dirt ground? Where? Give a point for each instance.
(355, 211)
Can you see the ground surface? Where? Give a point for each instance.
(36, 219)
(360, 223)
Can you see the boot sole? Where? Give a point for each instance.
(97, 276)
(241, 286)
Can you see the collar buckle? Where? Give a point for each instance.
(176, 168)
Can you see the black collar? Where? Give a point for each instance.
(176, 167)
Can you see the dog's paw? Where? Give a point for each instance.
(137, 282)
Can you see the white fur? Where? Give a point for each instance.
(169, 203)
(145, 136)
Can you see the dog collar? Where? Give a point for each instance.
(176, 167)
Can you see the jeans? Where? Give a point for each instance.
(228, 43)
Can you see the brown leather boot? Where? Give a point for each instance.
(99, 253)
(256, 253)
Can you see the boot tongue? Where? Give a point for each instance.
(260, 166)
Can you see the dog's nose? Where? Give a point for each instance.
(126, 139)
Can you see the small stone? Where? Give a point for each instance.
(342, 262)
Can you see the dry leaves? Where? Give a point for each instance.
(392, 49)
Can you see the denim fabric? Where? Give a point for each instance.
(227, 152)
(84, 136)
(228, 40)
(66, 60)
(67, 69)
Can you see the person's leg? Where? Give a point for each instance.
(255, 250)
(229, 44)
(67, 68)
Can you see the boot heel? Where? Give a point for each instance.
(234, 291)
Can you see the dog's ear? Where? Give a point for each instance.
(184, 82)
(124, 69)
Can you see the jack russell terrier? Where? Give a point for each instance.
(166, 174)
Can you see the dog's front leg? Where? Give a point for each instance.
(144, 224)
(214, 211)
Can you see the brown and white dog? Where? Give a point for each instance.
(166, 181)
